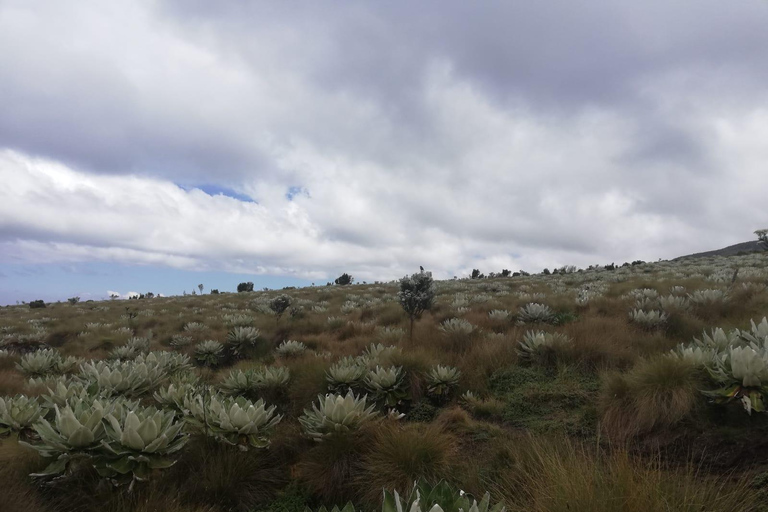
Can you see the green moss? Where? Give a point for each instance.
(547, 400)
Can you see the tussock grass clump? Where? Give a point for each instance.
(656, 393)
(545, 475)
(402, 454)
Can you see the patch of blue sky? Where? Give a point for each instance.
(216, 190)
(55, 282)
(295, 191)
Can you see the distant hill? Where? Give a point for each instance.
(732, 250)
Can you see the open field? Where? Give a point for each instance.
(596, 390)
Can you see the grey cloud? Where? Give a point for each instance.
(550, 129)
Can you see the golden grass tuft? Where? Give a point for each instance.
(657, 392)
(544, 475)
(402, 454)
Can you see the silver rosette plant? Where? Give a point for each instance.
(345, 375)
(441, 380)
(19, 413)
(138, 441)
(387, 385)
(335, 415)
(75, 432)
(233, 420)
(290, 348)
(743, 374)
(209, 353)
(240, 338)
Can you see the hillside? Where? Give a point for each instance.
(731, 250)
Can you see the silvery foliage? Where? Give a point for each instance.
(345, 374)
(442, 379)
(123, 352)
(718, 340)
(129, 378)
(417, 293)
(77, 429)
(470, 399)
(138, 441)
(180, 340)
(123, 331)
(736, 361)
(209, 352)
(456, 327)
(585, 295)
(674, 303)
(531, 297)
(194, 327)
(290, 348)
(644, 293)
(174, 394)
(534, 342)
(386, 385)
(648, 319)
(379, 354)
(535, 313)
(752, 288)
(460, 300)
(425, 497)
(335, 414)
(233, 420)
(334, 322)
(757, 336)
(349, 307)
(238, 320)
(170, 362)
(389, 334)
(705, 297)
(59, 392)
(40, 362)
(499, 315)
(273, 377)
(240, 382)
(19, 413)
(697, 356)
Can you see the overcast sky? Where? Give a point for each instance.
(148, 145)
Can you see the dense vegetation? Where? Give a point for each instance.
(637, 388)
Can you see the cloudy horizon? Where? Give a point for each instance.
(153, 145)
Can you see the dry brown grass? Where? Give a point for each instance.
(328, 469)
(545, 475)
(400, 455)
(12, 382)
(601, 343)
(656, 393)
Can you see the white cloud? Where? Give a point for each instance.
(418, 147)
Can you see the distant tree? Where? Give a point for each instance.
(149, 295)
(546, 272)
(37, 304)
(245, 287)
(114, 296)
(200, 287)
(416, 295)
(762, 237)
(344, 279)
(505, 273)
(475, 274)
(73, 300)
(279, 305)
(215, 291)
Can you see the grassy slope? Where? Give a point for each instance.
(596, 424)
